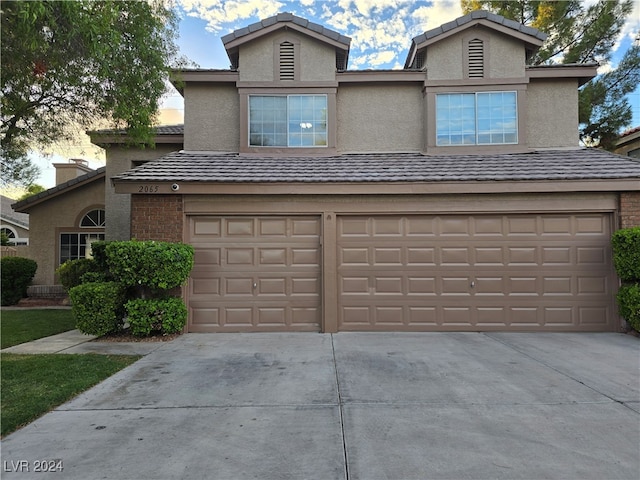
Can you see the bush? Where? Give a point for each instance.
(165, 316)
(157, 265)
(71, 272)
(99, 254)
(629, 304)
(17, 273)
(626, 253)
(98, 307)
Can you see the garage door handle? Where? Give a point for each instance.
(473, 284)
(255, 285)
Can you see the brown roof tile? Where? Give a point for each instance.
(579, 164)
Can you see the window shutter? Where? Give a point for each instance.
(287, 64)
(476, 58)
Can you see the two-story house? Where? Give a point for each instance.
(449, 195)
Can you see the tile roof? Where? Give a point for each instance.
(579, 164)
(478, 15)
(286, 17)
(59, 189)
(159, 130)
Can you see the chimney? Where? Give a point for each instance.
(68, 171)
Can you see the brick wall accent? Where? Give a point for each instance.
(157, 217)
(629, 209)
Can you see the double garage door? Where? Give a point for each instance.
(520, 272)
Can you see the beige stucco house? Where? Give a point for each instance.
(629, 143)
(449, 195)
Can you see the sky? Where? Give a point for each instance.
(380, 31)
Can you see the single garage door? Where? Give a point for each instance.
(254, 274)
(481, 272)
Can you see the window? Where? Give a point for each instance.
(288, 121)
(488, 118)
(77, 245)
(95, 218)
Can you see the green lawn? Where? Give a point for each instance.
(20, 326)
(34, 384)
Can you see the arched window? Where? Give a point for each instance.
(11, 235)
(77, 244)
(95, 218)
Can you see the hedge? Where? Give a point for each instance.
(98, 307)
(626, 253)
(17, 273)
(164, 316)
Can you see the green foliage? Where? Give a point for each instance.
(17, 273)
(629, 304)
(157, 265)
(98, 307)
(4, 239)
(99, 254)
(32, 190)
(34, 384)
(165, 316)
(626, 253)
(71, 272)
(72, 62)
(582, 32)
(24, 325)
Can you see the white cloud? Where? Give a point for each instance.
(219, 12)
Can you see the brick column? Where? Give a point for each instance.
(157, 217)
(629, 209)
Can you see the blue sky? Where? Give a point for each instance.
(381, 30)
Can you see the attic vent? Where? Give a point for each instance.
(476, 58)
(287, 63)
(420, 61)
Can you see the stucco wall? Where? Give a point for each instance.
(48, 219)
(256, 59)
(117, 205)
(552, 113)
(383, 118)
(504, 56)
(211, 117)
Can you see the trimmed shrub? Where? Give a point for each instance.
(629, 304)
(156, 265)
(626, 253)
(99, 254)
(147, 316)
(17, 273)
(98, 307)
(71, 272)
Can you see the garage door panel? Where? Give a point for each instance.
(255, 273)
(476, 272)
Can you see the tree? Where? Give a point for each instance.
(580, 33)
(32, 190)
(79, 61)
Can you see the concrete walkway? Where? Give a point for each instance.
(75, 341)
(352, 406)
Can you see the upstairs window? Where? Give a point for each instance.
(487, 118)
(287, 120)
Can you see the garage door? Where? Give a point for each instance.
(254, 274)
(481, 272)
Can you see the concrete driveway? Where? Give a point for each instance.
(353, 406)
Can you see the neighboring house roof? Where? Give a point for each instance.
(578, 164)
(628, 136)
(532, 36)
(10, 216)
(163, 134)
(94, 175)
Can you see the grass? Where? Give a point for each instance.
(20, 326)
(32, 385)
